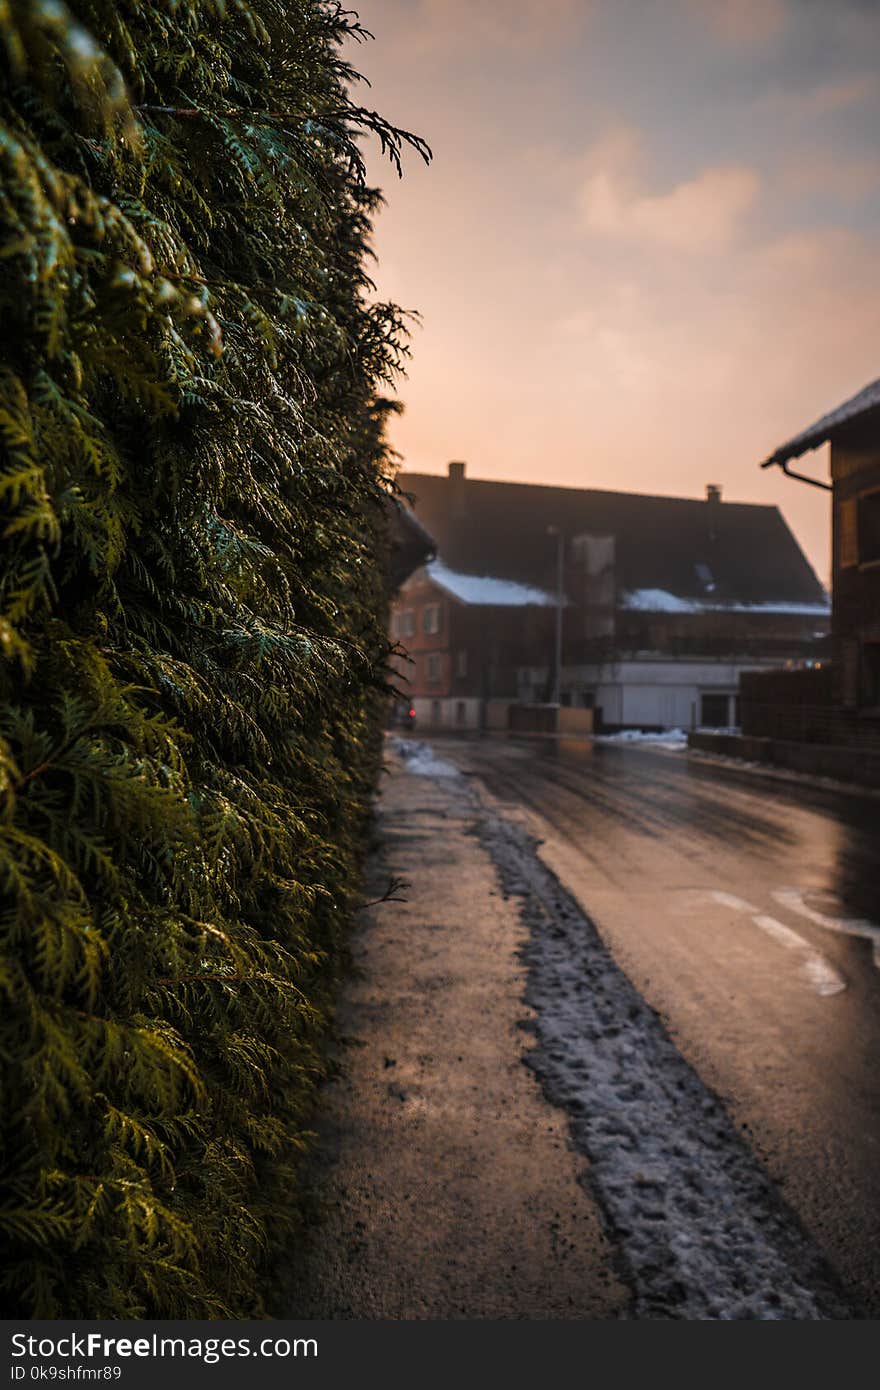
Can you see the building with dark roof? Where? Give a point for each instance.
(660, 602)
(409, 544)
(853, 432)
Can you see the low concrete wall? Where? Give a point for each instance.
(819, 759)
(433, 715)
(533, 719)
(557, 721)
(497, 715)
(575, 721)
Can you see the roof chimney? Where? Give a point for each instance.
(713, 492)
(457, 491)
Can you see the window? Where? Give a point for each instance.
(433, 668)
(436, 713)
(714, 711)
(431, 618)
(461, 664)
(408, 623)
(869, 528)
(460, 712)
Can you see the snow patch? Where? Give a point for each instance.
(675, 739)
(661, 601)
(658, 601)
(420, 759)
(487, 591)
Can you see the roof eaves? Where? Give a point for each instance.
(863, 403)
(410, 522)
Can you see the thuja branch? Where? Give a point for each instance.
(392, 139)
(395, 886)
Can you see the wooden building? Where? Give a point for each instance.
(853, 432)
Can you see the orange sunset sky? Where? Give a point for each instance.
(646, 252)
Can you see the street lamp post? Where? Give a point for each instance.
(560, 599)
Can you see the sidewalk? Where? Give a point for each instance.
(451, 1190)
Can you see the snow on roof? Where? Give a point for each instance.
(484, 590)
(862, 403)
(490, 528)
(660, 601)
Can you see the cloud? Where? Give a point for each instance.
(657, 308)
(833, 174)
(703, 213)
(523, 25)
(742, 23)
(840, 94)
(801, 104)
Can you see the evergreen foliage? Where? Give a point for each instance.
(192, 636)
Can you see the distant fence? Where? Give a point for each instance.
(794, 705)
(810, 685)
(797, 707)
(811, 724)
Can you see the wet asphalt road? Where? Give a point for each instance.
(742, 908)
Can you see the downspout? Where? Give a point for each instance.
(800, 477)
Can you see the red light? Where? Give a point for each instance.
(412, 714)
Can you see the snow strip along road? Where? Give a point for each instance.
(702, 1231)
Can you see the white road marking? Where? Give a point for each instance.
(784, 935)
(793, 899)
(728, 900)
(821, 975)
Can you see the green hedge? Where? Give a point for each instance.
(192, 606)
